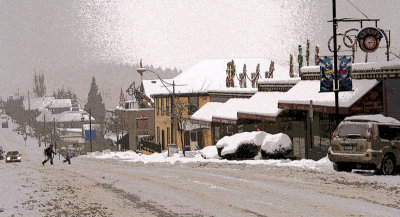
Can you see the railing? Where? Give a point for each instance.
(149, 144)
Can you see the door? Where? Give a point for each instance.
(200, 139)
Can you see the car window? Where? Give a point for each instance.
(353, 130)
(389, 132)
(12, 153)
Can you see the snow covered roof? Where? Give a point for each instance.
(217, 111)
(228, 110)
(374, 118)
(305, 90)
(262, 104)
(233, 90)
(361, 66)
(37, 103)
(293, 80)
(61, 103)
(210, 74)
(66, 116)
(204, 114)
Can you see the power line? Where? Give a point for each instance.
(357, 8)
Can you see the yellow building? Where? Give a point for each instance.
(183, 132)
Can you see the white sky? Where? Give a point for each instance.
(61, 36)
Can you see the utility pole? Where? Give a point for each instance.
(336, 90)
(90, 128)
(45, 133)
(174, 119)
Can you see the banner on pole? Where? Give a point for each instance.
(345, 80)
(327, 75)
(87, 135)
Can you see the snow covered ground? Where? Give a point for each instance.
(129, 184)
(130, 156)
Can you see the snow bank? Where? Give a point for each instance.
(209, 152)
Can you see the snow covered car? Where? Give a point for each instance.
(366, 142)
(13, 156)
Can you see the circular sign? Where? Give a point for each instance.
(131, 91)
(369, 38)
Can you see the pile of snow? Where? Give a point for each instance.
(209, 154)
(271, 146)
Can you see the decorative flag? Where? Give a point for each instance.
(345, 80)
(326, 70)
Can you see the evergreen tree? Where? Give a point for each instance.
(95, 103)
(39, 88)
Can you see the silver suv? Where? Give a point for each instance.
(366, 142)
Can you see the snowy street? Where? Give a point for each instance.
(111, 186)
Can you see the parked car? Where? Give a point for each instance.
(13, 156)
(366, 142)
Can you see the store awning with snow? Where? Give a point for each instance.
(366, 97)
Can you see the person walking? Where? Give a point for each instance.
(49, 154)
(67, 156)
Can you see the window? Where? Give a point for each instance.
(157, 108)
(168, 136)
(167, 105)
(193, 104)
(162, 106)
(388, 132)
(158, 134)
(193, 136)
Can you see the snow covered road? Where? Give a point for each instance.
(114, 187)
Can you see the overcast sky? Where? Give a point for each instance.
(61, 36)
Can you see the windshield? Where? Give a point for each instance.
(353, 130)
(12, 153)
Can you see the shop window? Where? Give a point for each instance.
(193, 136)
(167, 106)
(193, 104)
(168, 136)
(157, 106)
(162, 106)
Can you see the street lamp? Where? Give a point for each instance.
(90, 127)
(140, 70)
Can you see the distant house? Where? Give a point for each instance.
(58, 106)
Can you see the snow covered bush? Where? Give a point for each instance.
(276, 146)
(245, 145)
(248, 145)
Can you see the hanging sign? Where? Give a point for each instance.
(326, 74)
(369, 38)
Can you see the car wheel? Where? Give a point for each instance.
(342, 167)
(388, 165)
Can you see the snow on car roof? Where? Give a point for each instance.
(374, 118)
